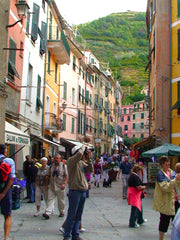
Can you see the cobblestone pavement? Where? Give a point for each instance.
(105, 217)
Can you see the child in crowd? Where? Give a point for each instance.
(97, 172)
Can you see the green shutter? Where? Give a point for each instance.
(43, 41)
(35, 21)
(72, 126)
(49, 62)
(56, 68)
(178, 8)
(178, 44)
(64, 121)
(79, 121)
(27, 23)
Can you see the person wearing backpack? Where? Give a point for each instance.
(6, 191)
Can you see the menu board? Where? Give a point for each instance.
(153, 169)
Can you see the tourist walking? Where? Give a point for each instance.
(40, 185)
(125, 169)
(56, 178)
(135, 194)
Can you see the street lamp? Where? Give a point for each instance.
(22, 10)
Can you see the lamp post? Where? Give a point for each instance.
(22, 10)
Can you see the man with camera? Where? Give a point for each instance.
(56, 180)
(78, 165)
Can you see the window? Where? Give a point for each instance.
(72, 125)
(35, 22)
(124, 110)
(74, 63)
(82, 124)
(134, 125)
(129, 118)
(65, 91)
(27, 23)
(142, 115)
(122, 119)
(50, 25)
(87, 124)
(79, 93)
(134, 116)
(38, 99)
(142, 125)
(54, 111)
(95, 126)
(56, 69)
(47, 110)
(43, 41)
(90, 127)
(73, 96)
(83, 95)
(49, 63)
(126, 127)
(142, 135)
(64, 121)
(12, 72)
(29, 83)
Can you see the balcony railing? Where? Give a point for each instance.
(57, 42)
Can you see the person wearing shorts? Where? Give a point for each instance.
(6, 192)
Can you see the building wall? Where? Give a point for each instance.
(3, 65)
(175, 72)
(159, 68)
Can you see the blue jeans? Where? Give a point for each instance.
(31, 190)
(75, 210)
(136, 215)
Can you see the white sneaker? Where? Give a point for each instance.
(82, 230)
(61, 230)
(145, 221)
(37, 214)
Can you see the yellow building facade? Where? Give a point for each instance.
(57, 53)
(175, 71)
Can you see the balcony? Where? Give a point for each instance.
(53, 123)
(59, 46)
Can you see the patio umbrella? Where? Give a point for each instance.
(166, 149)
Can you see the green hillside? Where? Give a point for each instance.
(120, 39)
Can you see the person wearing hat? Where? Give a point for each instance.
(77, 182)
(56, 180)
(40, 185)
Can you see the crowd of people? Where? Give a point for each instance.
(48, 178)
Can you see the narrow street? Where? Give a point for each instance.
(105, 217)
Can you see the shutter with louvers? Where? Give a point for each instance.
(35, 21)
(43, 41)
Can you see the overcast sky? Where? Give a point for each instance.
(82, 11)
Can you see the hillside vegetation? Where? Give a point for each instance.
(120, 39)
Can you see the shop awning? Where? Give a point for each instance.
(150, 140)
(14, 135)
(42, 139)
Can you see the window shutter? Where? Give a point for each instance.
(43, 41)
(35, 21)
(72, 126)
(178, 8)
(79, 121)
(178, 44)
(27, 23)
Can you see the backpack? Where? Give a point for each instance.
(5, 170)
